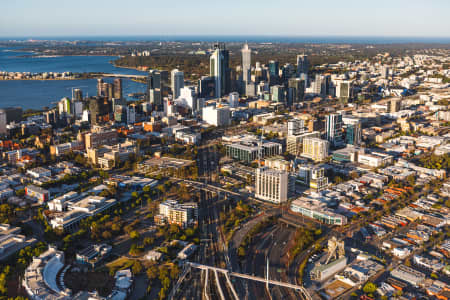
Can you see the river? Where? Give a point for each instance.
(36, 94)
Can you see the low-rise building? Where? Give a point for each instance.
(248, 150)
(37, 193)
(182, 214)
(318, 210)
(93, 255)
(78, 210)
(40, 278)
(408, 275)
(12, 241)
(187, 251)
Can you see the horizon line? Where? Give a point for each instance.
(221, 34)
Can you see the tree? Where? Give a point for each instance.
(134, 235)
(106, 235)
(137, 267)
(152, 272)
(369, 288)
(174, 272)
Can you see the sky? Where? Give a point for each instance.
(393, 18)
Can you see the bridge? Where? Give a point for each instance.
(119, 75)
(267, 281)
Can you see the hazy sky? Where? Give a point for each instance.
(33, 18)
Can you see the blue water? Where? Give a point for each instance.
(37, 94)
(13, 61)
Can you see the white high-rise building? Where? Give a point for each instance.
(271, 185)
(246, 63)
(216, 116)
(216, 62)
(334, 129)
(296, 127)
(188, 96)
(315, 149)
(177, 82)
(64, 106)
(343, 89)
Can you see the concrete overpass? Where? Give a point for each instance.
(227, 273)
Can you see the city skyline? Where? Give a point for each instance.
(329, 18)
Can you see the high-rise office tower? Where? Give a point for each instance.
(277, 92)
(296, 90)
(220, 69)
(274, 68)
(99, 109)
(246, 63)
(77, 95)
(302, 64)
(274, 71)
(326, 85)
(287, 71)
(177, 82)
(108, 90)
(158, 88)
(99, 86)
(206, 87)
(117, 94)
(334, 129)
(352, 131)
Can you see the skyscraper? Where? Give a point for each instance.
(246, 63)
(99, 109)
(206, 87)
(334, 129)
(288, 71)
(277, 92)
(77, 95)
(99, 86)
(274, 71)
(353, 131)
(158, 87)
(117, 94)
(220, 69)
(177, 82)
(302, 64)
(296, 90)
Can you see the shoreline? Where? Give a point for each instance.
(41, 79)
